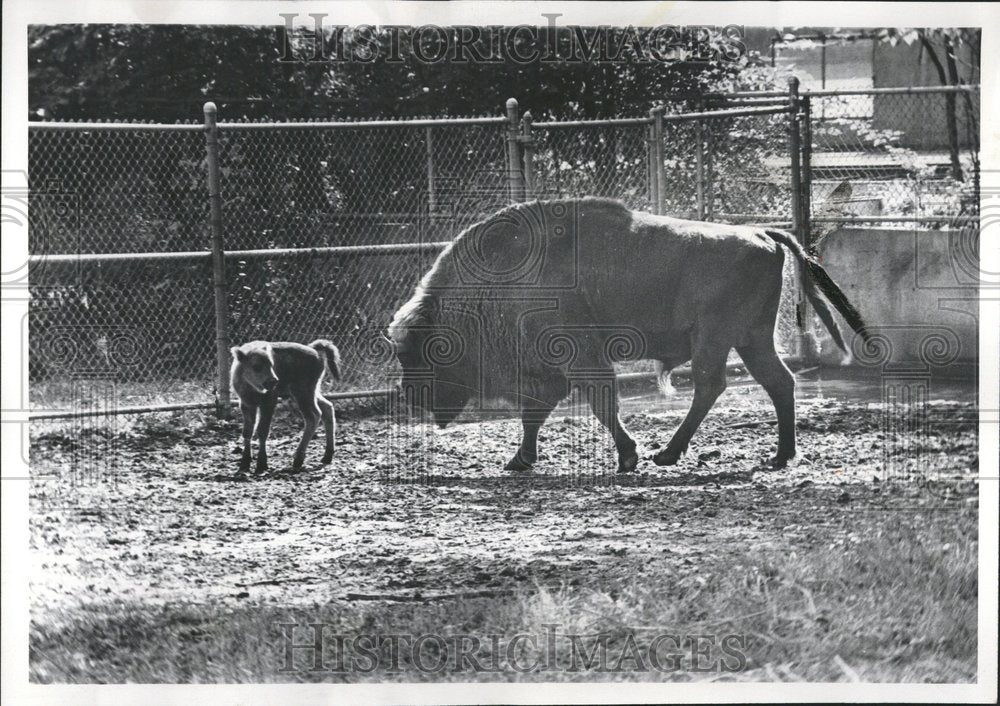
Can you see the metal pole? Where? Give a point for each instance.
(709, 181)
(794, 151)
(651, 189)
(218, 264)
(699, 157)
(515, 174)
(431, 196)
(822, 62)
(661, 172)
(529, 155)
(806, 173)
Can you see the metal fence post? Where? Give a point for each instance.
(652, 187)
(659, 194)
(806, 173)
(699, 162)
(709, 183)
(795, 154)
(431, 196)
(528, 147)
(218, 264)
(515, 173)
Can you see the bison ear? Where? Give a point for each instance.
(237, 353)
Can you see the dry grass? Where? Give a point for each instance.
(895, 601)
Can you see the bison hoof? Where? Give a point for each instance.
(327, 458)
(777, 462)
(518, 464)
(667, 457)
(627, 464)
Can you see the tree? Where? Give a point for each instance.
(946, 41)
(166, 73)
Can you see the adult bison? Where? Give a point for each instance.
(544, 296)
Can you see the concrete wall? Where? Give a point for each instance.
(916, 290)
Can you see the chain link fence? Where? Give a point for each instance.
(328, 226)
(885, 155)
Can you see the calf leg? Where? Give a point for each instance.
(769, 370)
(708, 370)
(330, 425)
(264, 417)
(249, 417)
(311, 416)
(603, 399)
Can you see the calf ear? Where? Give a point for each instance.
(237, 353)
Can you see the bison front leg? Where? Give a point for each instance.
(603, 399)
(532, 419)
(708, 370)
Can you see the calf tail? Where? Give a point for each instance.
(813, 276)
(330, 353)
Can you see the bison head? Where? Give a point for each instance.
(437, 360)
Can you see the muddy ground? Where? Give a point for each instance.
(415, 514)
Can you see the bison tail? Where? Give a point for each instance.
(330, 353)
(813, 276)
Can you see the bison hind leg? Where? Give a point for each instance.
(708, 370)
(770, 371)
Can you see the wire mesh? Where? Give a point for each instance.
(593, 160)
(907, 155)
(149, 326)
(135, 190)
(146, 327)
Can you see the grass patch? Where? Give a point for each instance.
(895, 600)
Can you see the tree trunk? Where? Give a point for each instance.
(950, 106)
(953, 78)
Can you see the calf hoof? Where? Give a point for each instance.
(667, 457)
(260, 470)
(327, 458)
(628, 462)
(244, 468)
(518, 464)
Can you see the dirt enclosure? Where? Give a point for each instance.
(149, 562)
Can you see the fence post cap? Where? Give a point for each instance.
(210, 107)
(512, 104)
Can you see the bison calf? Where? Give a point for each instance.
(262, 372)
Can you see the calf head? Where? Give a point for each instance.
(255, 366)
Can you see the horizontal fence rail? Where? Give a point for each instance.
(236, 255)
